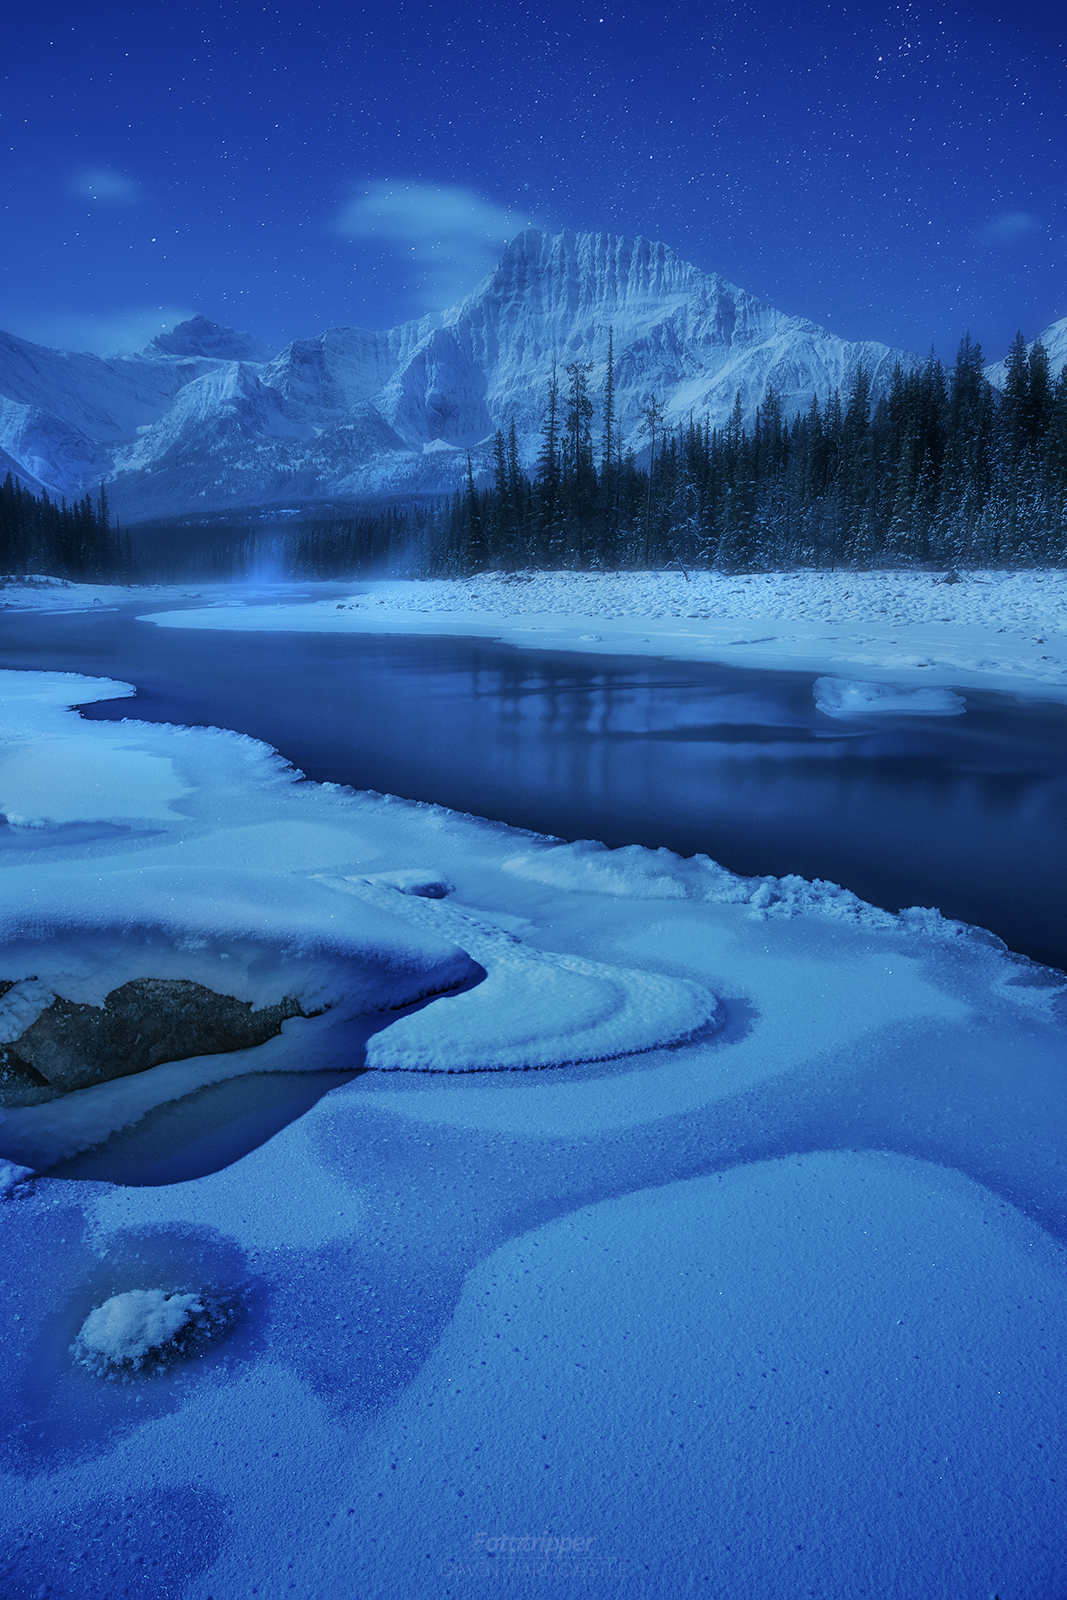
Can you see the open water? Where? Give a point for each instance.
(965, 813)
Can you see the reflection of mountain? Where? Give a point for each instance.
(205, 419)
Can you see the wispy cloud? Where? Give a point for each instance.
(450, 236)
(103, 333)
(1010, 226)
(105, 187)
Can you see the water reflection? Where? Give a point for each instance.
(966, 813)
(204, 1131)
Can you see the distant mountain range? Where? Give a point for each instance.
(206, 420)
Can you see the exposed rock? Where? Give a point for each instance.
(143, 1023)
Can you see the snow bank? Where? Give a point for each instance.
(53, 770)
(639, 874)
(988, 629)
(535, 1008)
(1034, 599)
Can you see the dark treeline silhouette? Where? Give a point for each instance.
(75, 541)
(942, 470)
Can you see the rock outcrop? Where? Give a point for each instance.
(141, 1024)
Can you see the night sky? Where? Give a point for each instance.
(894, 172)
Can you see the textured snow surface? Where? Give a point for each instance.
(780, 1356)
(535, 1008)
(764, 1294)
(989, 629)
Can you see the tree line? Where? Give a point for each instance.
(77, 541)
(942, 469)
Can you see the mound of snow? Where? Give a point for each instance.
(535, 1008)
(141, 1326)
(12, 1179)
(586, 864)
(844, 698)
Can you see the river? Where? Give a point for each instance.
(965, 813)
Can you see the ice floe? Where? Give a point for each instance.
(848, 698)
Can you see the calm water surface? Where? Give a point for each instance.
(966, 813)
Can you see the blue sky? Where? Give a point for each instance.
(895, 172)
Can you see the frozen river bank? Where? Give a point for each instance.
(909, 794)
(775, 1305)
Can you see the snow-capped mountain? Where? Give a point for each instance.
(200, 337)
(206, 419)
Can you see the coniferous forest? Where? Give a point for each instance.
(75, 541)
(941, 470)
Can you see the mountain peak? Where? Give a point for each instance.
(353, 414)
(199, 336)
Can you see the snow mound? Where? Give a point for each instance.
(143, 1327)
(254, 935)
(12, 1179)
(534, 1008)
(633, 871)
(21, 1006)
(638, 874)
(537, 1009)
(844, 698)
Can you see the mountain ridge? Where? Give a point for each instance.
(205, 419)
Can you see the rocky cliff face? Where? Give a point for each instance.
(205, 419)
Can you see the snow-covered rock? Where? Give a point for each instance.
(108, 975)
(144, 1328)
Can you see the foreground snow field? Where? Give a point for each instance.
(765, 1293)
